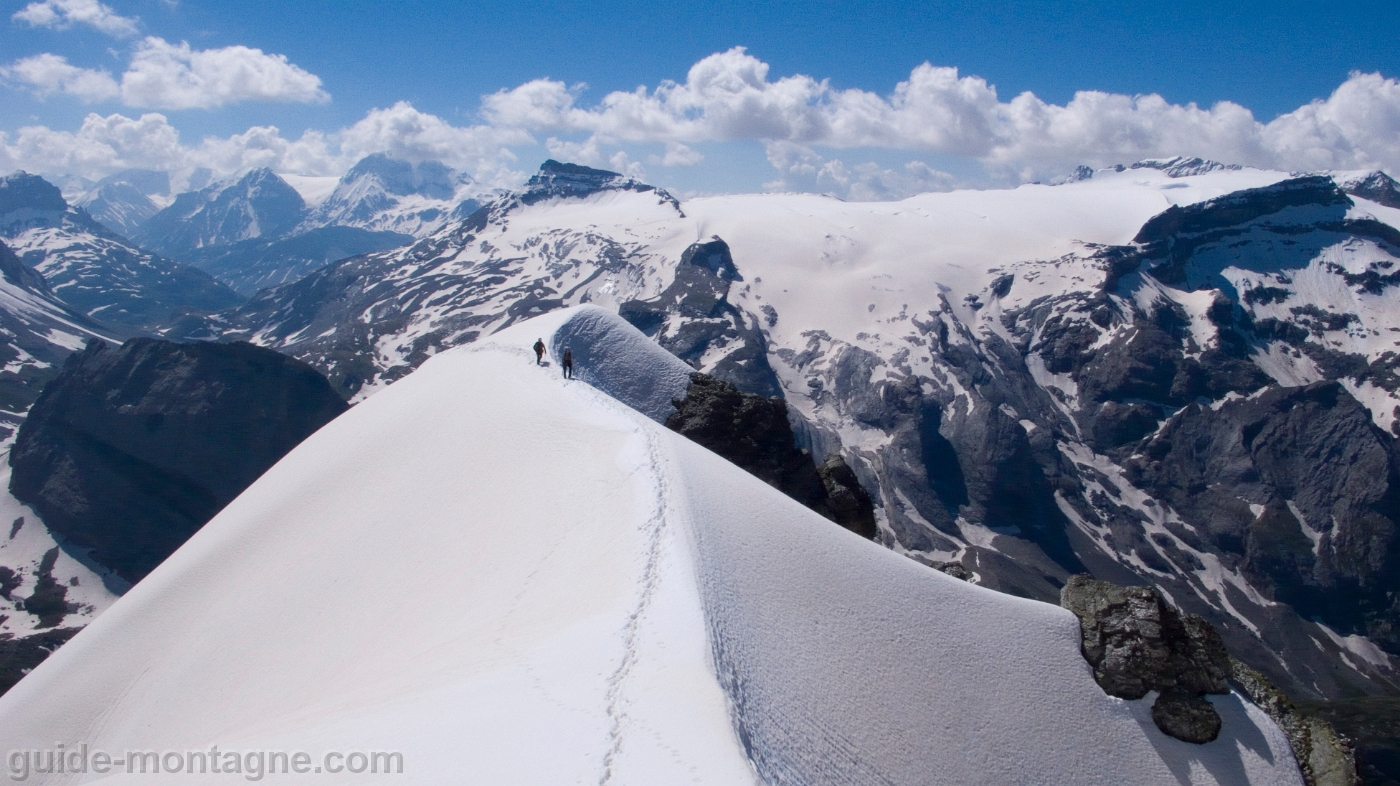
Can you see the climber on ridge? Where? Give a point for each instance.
(568, 363)
(539, 350)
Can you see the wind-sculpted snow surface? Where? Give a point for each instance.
(512, 578)
(611, 355)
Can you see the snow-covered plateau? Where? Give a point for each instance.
(508, 577)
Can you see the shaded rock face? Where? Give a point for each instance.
(1327, 481)
(847, 501)
(20, 275)
(1186, 716)
(753, 432)
(1375, 186)
(1137, 642)
(24, 194)
(129, 451)
(694, 316)
(557, 180)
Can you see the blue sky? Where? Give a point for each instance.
(812, 102)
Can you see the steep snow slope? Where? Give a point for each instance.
(511, 578)
(313, 189)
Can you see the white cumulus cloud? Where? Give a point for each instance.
(404, 132)
(729, 96)
(107, 144)
(816, 136)
(47, 74)
(101, 146)
(1358, 126)
(678, 154)
(63, 14)
(163, 75)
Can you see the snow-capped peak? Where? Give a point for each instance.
(389, 194)
(1371, 184)
(258, 203)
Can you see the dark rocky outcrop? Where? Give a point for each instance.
(1186, 716)
(49, 599)
(1137, 642)
(20, 655)
(131, 450)
(753, 432)
(847, 501)
(954, 569)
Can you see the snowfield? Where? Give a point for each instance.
(515, 579)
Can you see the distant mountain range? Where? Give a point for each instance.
(95, 270)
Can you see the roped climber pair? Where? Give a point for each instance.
(568, 359)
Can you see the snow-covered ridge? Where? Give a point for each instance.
(985, 360)
(554, 559)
